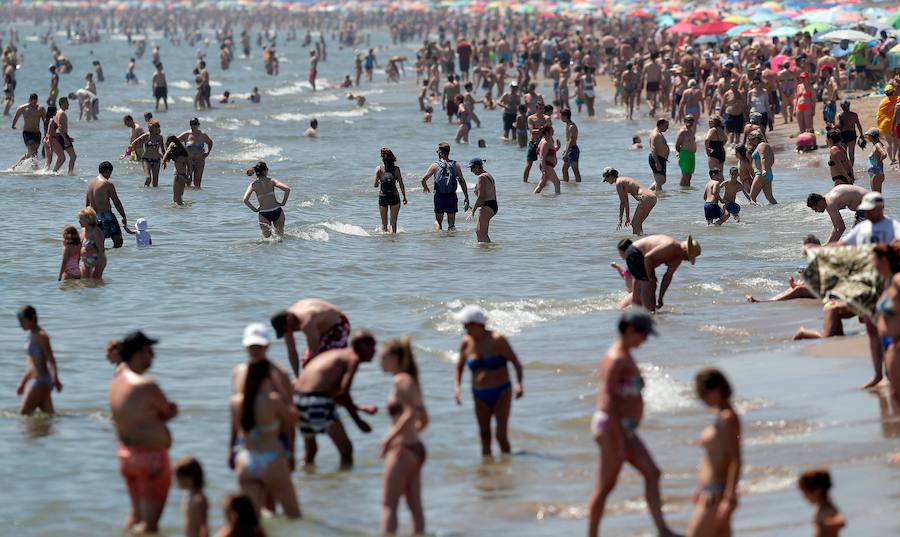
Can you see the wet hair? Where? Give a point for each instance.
(259, 168)
(624, 244)
(279, 323)
(481, 143)
(314, 123)
(444, 148)
(246, 521)
(148, 116)
(813, 199)
(548, 109)
(178, 150)
(714, 171)
(89, 214)
(891, 252)
(811, 239)
(71, 237)
(661, 121)
(468, 86)
(105, 166)
(711, 379)
(257, 373)
(360, 338)
(194, 121)
(389, 160)
(190, 468)
(733, 170)
(63, 100)
(153, 123)
(402, 349)
(635, 139)
(834, 136)
(815, 479)
(27, 312)
(522, 108)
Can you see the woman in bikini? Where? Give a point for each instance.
(720, 469)
(763, 158)
(258, 414)
(804, 103)
(876, 159)
(196, 142)
(547, 155)
(625, 186)
(181, 165)
(589, 93)
(40, 366)
(270, 213)
(886, 259)
(620, 408)
(93, 257)
(487, 353)
(839, 163)
(401, 449)
(150, 145)
(715, 143)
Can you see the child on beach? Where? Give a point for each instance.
(70, 267)
(815, 485)
(522, 126)
(93, 257)
(141, 233)
(240, 518)
(189, 475)
(711, 208)
(728, 191)
(312, 131)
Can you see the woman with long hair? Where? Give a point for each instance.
(401, 449)
(176, 153)
(270, 213)
(387, 179)
(715, 143)
(763, 157)
(198, 145)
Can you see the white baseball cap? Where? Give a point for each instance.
(257, 334)
(870, 201)
(471, 315)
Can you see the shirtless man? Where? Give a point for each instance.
(536, 123)
(711, 198)
(63, 138)
(787, 85)
(848, 124)
(135, 132)
(646, 199)
(659, 154)
(728, 192)
(686, 148)
(448, 99)
(324, 384)
(770, 82)
(324, 325)
(572, 153)
(33, 116)
(691, 101)
(735, 105)
(645, 255)
(160, 87)
(101, 194)
(139, 411)
(469, 102)
(485, 199)
(651, 77)
(839, 197)
(509, 102)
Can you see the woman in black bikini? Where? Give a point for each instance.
(152, 144)
(270, 213)
(715, 143)
(401, 449)
(179, 157)
(387, 179)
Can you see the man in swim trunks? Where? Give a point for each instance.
(848, 124)
(63, 138)
(509, 102)
(572, 153)
(33, 116)
(447, 177)
(651, 78)
(646, 254)
(448, 100)
(324, 384)
(160, 88)
(324, 325)
(139, 411)
(101, 195)
(686, 147)
(839, 197)
(735, 105)
(659, 154)
(536, 123)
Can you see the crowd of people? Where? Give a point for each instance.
(739, 85)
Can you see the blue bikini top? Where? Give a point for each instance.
(490, 362)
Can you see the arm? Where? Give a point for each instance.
(139, 140)
(837, 224)
(517, 365)
(624, 206)
(458, 372)
(291, 345)
(62, 263)
(377, 178)
(732, 430)
(165, 409)
(428, 174)
(114, 196)
(667, 279)
(16, 117)
(195, 517)
(402, 186)
(209, 141)
(284, 188)
(247, 194)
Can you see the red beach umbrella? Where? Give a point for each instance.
(681, 28)
(755, 32)
(640, 13)
(713, 28)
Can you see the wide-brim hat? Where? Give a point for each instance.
(693, 249)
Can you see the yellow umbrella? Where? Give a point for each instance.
(737, 19)
(773, 6)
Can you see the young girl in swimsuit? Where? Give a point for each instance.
(93, 258)
(40, 366)
(816, 485)
(720, 468)
(194, 507)
(70, 268)
(487, 353)
(547, 155)
(176, 153)
(402, 450)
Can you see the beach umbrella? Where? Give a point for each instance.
(701, 14)
(713, 28)
(707, 39)
(738, 29)
(841, 35)
(894, 20)
(665, 20)
(784, 31)
(755, 32)
(876, 26)
(817, 27)
(640, 13)
(776, 62)
(772, 6)
(737, 19)
(681, 28)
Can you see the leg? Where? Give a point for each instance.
(527, 171)
(384, 216)
(265, 228)
(641, 212)
(154, 171)
(767, 192)
(877, 353)
(150, 513)
(278, 482)
(483, 416)
(610, 465)
(117, 240)
(397, 466)
(640, 458)
(310, 448)
(198, 167)
(484, 221)
(438, 221)
(72, 157)
(414, 501)
(756, 187)
(342, 443)
(577, 171)
(703, 521)
(34, 397)
(892, 367)
(148, 173)
(451, 221)
(555, 179)
(501, 413)
(565, 172)
(395, 212)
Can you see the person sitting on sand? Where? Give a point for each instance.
(797, 288)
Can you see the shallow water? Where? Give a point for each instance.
(545, 281)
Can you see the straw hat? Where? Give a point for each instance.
(693, 249)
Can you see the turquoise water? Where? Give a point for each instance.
(545, 281)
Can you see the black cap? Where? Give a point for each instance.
(639, 318)
(134, 342)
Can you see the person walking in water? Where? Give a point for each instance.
(447, 174)
(33, 115)
(625, 186)
(270, 213)
(41, 375)
(485, 199)
(487, 353)
(548, 160)
(659, 154)
(181, 167)
(620, 407)
(101, 196)
(572, 153)
(387, 179)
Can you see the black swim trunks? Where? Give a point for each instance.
(848, 137)
(657, 165)
(508, 119)
(161, 92)
(634, 259)
(734, 123)
(272, 215)
(31, 138)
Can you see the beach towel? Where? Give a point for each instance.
(845, 273)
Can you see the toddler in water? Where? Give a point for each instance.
(70, 268)
(240, 518)
(141, 234)
(189, 475)
(815, 485)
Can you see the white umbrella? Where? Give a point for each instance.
(849, 35)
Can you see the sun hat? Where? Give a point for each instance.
(693, 249)
(471, 314)
(871, 201)
(256, 334)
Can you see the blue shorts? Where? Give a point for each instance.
(712, 210)
(108, 225)
(445, 203)
(572, 155)
(733, 208)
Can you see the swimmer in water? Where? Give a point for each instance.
(41, 375)
(271, 215)
(636, 143)
(312, 131)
